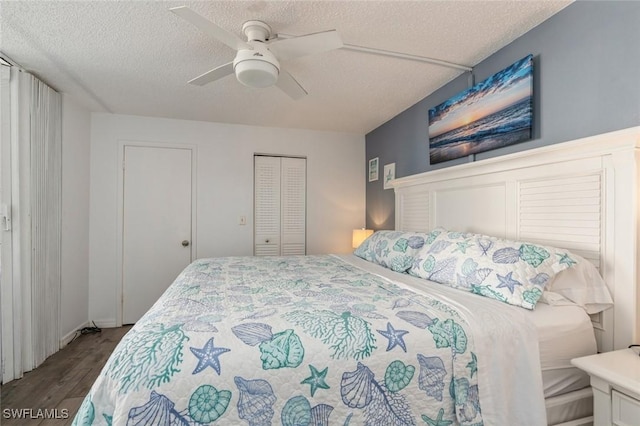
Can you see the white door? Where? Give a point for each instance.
(156, 224)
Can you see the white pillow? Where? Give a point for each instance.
(580, 284)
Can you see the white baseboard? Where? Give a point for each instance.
(105, 323)
(67, 338)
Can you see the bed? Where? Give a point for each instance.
(323, 340)
(346, 340)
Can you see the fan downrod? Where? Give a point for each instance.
(256, 31)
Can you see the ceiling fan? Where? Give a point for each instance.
(257, 62)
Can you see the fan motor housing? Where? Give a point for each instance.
(256, 68)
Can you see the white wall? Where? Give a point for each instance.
(74, 301)
(335, 189)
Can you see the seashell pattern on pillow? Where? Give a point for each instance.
(395, 250)
(509, 271)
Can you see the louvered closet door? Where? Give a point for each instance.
(267, 206)
(280, 206)
(294, 200)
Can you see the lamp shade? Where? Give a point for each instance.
(359, 235)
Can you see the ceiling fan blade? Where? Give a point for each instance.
(290, 86)
(291, 48)
(210, 28)
(214, 74)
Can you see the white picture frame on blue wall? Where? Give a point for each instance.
(389, 175)
(373, 169)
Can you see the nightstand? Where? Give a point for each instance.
(615, 379)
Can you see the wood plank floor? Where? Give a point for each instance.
(62, 381)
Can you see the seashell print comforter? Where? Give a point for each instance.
(318, 340)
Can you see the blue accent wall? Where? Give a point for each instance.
(586, 81)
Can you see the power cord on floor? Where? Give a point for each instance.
(87, 330)
(91, 330)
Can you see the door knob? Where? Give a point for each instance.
(185, 243)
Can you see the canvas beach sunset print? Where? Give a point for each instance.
(493, 113)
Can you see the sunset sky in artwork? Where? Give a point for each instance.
(499, 91)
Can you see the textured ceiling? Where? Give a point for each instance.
(135, 57)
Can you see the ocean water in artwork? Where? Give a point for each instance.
(492, 114)
(508, 126)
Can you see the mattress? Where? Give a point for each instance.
(575, 407)
(564, 332)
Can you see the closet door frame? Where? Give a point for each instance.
(280, 231)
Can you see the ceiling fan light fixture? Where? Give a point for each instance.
(256, 73)
(256, 68)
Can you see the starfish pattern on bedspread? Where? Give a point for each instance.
(317, 379)
(438, 421)
(395, 337)
(208, 357)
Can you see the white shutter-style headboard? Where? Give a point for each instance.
(580, 195)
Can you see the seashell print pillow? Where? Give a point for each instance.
(510, 271)
(395, 250)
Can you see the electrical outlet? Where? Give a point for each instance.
(242, 220)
